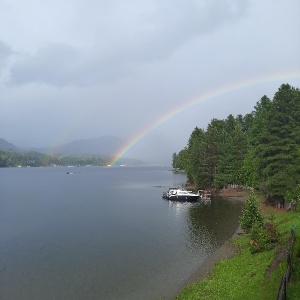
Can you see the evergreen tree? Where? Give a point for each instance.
(214, 152)
(274, 138)
(174, 160)
(280, 163)
(195, 156)
(232, 152)
(260, 149)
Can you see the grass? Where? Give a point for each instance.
(244, 275)
(294, 286)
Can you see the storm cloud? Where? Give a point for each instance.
(133, 34)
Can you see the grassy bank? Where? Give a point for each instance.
(253, 276)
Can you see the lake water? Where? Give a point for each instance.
(102, 233)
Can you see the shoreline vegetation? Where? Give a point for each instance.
(233, 272)
(259, 150)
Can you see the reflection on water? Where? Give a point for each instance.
(209, 223)
(218, 219)
(103, 233)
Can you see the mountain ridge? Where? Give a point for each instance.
(5, 145)
(105, 145)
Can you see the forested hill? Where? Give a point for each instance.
(260, 149)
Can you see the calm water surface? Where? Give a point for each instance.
(102, 233)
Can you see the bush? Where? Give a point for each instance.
(251, 214)
(293, 196)
(262, 237)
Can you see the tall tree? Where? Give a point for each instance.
(276, 137)
(232, 153)
(282, 167)
(195, 156)
(260, 149)
(215, 137)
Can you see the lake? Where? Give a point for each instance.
(103, 233)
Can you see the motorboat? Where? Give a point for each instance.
(166, 194)
(177, 194)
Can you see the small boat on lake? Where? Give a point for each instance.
(177, 194)
(166, 194)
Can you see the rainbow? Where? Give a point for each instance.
(221, 90)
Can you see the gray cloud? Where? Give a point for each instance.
(6, 60)
(56, 64)
(85, 68)
(5, 51)
(125, 44)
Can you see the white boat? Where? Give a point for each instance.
(177, 194)
(168, 193)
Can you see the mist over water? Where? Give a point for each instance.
(102, 233)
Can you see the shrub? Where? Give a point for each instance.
(262, 237)
(293, 196)
(251, 214)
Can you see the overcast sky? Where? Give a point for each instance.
(73, 69)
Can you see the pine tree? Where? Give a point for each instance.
(194, 155)
(232, 150)
(282, 166)
(275, 135)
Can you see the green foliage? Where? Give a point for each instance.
(293, 197)
(175, 161)
(232, 153)
(215, 156)
(244, 275)
(296, 250)
(293, 290)
(196, 165)
(241, 277)
(260, 150)
(36, 159)
(249, 169)
(262, 238)
(251, 214)
(275, 138)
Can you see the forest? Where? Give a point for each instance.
(36, 159)
(260, 150)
